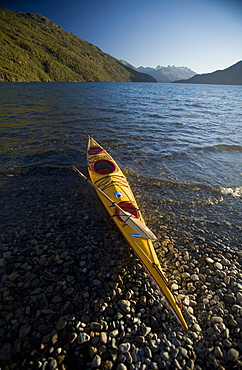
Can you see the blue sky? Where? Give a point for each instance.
(204, 35)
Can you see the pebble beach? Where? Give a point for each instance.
(74, 296)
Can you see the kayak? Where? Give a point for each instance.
(116, 195)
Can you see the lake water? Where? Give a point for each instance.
(180, 145)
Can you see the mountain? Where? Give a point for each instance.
(167, 74)
(229, 76)
(33, 48)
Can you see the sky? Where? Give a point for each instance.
(203, 35)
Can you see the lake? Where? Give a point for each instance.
(180, 146)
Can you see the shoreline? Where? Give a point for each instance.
(74, 296)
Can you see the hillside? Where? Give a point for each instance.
(33, 48)
(167, 74)
(228, 76)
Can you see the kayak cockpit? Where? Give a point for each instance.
(95, 150)
(127, 207)
(103, 167)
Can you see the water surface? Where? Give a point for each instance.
(179, 145)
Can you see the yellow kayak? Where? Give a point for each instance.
(116, 195)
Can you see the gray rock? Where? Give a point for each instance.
(166, 356)
(194, 277)
(24, 330)
(103, 337)
(45, 328)
(144, 330)
(124, 347)
(124, 305)
(121, 367)
(232, 354)
(96, 282)
(83, 337)
(218, 352)
(230, 298)
(114, 333)
(154, 346)
(190, 365)
(216, 319)
(139, 339)
(183, 352)
(96, 362)
(53, 364)
(218, 266)
(6, 352)
(96, 326)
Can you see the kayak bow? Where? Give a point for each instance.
(116, 195)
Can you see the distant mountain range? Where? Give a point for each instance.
(33, 48)
(229, 76)
(164, 74)
(168, 74)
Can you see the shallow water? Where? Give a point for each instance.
(179, 145)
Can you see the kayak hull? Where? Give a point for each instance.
(105, 174)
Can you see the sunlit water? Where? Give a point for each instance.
(180, 145)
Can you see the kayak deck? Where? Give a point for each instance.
(115, 193)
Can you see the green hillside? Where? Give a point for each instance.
(33, 48)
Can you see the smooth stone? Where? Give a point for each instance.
(139, 339)
(56, 299)
(196, 327)
(166, 356)
(216, 319)
(61, 323)
(45, 328)
(144, 330)
(143, 300)
(103, 337)
(218, 353)
(186, 301)
(185, 275)
(194, 277)
(227, 280)
(121, 367)
(226, 333)
(86, 319)
(230, 298)
(154, 346)
(183, 352)
(218, 266)
(232, 354)
(190, 365)
(176, 342)
(83, 337)
(124, 305)
(148, 352)
(209, 260)
(96, 362)
(174, 286)
(174, 352)
(72, 337)
(24, 330)
(114, 333)
(239, 298)
(6, 352)
(53, 364)
(69, 291)
(96, 282)
(96, 326)
(124, 347)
